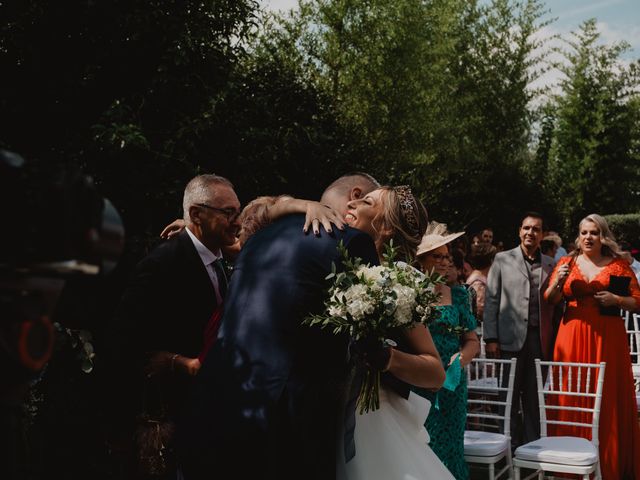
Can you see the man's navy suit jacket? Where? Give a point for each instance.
(271, 390)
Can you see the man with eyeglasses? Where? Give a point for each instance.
(174, 293)
(519, 323)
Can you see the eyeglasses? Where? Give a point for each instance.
(231, 214)
(438, 257)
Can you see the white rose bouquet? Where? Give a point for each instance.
(367, 302)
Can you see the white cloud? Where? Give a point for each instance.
(278, 5)
(611, 34)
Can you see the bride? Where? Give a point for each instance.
(391, 443)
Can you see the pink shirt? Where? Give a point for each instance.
(478, 282)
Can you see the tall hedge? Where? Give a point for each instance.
(625, 227)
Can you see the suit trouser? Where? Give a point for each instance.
(525, 415)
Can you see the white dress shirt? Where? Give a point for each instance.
(208, 257)
(635, 266)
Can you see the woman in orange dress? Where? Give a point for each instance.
(587, 336)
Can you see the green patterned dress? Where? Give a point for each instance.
(448, 414)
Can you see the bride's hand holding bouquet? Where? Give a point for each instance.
(370, 302)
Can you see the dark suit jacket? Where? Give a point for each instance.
(270, 389)
(166, 306)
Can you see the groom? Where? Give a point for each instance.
(270, 391)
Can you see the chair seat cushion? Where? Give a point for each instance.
(484, 444)
(564, 450)
(488, 383)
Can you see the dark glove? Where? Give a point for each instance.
(374, 352)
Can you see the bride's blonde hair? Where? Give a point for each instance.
(406, 217)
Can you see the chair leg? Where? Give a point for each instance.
(541, 475)
(598, 471)
(516, 473)
(492, 471)
(509, 461)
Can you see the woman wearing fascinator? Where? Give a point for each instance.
(457, 343)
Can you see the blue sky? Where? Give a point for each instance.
(617, 19)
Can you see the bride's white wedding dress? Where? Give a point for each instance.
(393, 444)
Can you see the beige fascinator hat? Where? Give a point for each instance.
(435, 236)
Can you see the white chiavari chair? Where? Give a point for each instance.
(490, 383)
(632, 324)
(565, 454)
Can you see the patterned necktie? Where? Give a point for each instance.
(218, 267)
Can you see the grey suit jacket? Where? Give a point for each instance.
(506, 308)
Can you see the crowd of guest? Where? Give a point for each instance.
(538, 300)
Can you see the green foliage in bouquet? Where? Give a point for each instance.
(372, 301)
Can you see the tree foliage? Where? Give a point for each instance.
(121, 89)
(435, 91)
(625, 227)
(590, 146)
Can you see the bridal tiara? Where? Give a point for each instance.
(408, 206)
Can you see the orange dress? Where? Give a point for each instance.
(586, 336)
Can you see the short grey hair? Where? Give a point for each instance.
(199, 190)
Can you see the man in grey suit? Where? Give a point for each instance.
(519, 323)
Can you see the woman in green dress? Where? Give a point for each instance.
(456, 341)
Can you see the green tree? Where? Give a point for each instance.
(593, 157)
(123, 90)
(277, 132)
(481, 146)
(434, 93)
(369, 58)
